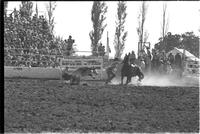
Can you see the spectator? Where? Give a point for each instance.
(155, 60)
(148, 52)
(30, 38)
(69, 43)
(178, 60)
(171, 59)
(178, 64)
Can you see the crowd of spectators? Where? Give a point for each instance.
(29, 42)
(157, 62)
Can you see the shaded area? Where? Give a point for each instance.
(50, 106)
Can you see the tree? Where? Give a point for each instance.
(50, 7)
(171, 41)
(36, 10)
(165, 22)
(120, 34)
(26, 9)
(191, 43)
(141, 21)
(98, 12)
(187, 40)
(5, 7)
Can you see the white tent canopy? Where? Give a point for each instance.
(187, 54)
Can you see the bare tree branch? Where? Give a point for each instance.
(146, 36)
(165, 21)
(141, 22)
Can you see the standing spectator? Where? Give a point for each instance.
(69, 42)
(148, 52)
(101, 50)
(163, 61)
(155, 60)
(178, 60)
(178, 64)
(148, 59)
(171, 59)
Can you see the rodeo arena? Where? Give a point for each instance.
(174, 66)
(146, 91)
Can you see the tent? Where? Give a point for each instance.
(188, 55)
(192, 62)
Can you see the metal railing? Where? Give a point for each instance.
(192, 67)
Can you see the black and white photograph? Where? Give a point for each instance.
(101, 66)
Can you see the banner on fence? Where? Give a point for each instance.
(76, 63)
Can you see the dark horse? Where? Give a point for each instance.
(130, 71)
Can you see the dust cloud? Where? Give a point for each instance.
(162, 80)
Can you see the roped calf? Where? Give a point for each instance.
(75, 77)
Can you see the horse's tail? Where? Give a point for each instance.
(141, 76)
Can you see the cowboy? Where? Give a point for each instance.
(132, 58)
(111, 70)
(125, 57)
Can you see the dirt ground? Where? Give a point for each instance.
(52, 106)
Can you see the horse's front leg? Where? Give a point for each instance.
(128, 80)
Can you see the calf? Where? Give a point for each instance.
(75, 76)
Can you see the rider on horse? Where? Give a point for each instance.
(130, 70)
(132, 58)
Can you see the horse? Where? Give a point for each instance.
(130, 71)
(75, 77)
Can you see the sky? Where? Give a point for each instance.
(74, 18)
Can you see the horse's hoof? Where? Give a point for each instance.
(139, 84)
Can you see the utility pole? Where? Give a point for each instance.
(107, 47)
(183, 58)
